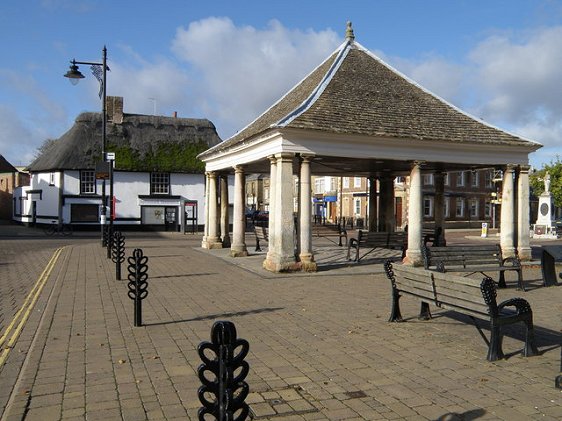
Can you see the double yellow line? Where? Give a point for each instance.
(9, 337)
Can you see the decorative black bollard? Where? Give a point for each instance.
(558, 379)
(229, 371)
(118, 252)
(138, 282)
(109, 244)
(104, 240)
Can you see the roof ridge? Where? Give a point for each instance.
(439, 98)
(282, 97)
(308, 102)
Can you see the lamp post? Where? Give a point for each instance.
(74, 75)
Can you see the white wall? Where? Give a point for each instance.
(127, 186)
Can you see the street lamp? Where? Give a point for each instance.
(74, 75)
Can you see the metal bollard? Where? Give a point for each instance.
(558, 379)
(104, 237)
(118, 252)
(109, 244)
(138, 282)
(228, 372)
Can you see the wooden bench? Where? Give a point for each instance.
(373, 240)
(431, 235)
(472, 259)
(262, 234)
(468, 296)
(330, 230)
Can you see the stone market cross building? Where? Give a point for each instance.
(354, 115)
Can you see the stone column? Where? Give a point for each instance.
(386, 209)
(439, 205)
(238, 247)
(225, 216)
(507, 225)
(305, 199)
(523, 226)
(272, 216)
(372, 204)
(415, 217)
(206, 216)
(212, 240)
(283, 257)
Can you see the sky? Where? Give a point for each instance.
(229, 60)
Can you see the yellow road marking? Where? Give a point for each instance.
(23, 313)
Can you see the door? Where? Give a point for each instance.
(398, 211)
(171, 219)
(33, 213)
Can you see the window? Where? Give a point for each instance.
(460, 179)
(446, 207)
(87, 182)
(52, 179)
(266, 193)
(428, 179)
(356, 181)
(346, 182)
(357, 205)
(446, 178)
(428, 206)
(460, 207)
(488, 178)
(319, 185)
(333, 184)
(400, 180)
(487, 209)
(159, 183)
(474, 208)
(475, 179)
(84, 213)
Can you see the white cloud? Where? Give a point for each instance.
(243, 70)
(147, 87)
(510, 80)
(17, 140)
(434, 73)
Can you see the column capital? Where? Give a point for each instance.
(272, 159)
(524, 168)
(510, 167)
(284, 156)
(307, 158)
(417, 164)
(211, 173)
(238, 168)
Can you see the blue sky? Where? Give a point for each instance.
(500, 60)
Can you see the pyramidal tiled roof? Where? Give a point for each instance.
(355, 92)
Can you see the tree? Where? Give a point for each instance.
(45, 147)
(536, 180)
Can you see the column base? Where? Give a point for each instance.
(307, 262)
(285, 265)
(238, 251)
(211, 243)
(508, 252)
(524, 254)
(413, 258)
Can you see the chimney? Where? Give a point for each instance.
(114, 105)
(175, 115)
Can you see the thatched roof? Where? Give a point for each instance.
(140, 142)
(5, 166)
(353, 92)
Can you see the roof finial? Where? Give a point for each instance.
(349, 32)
